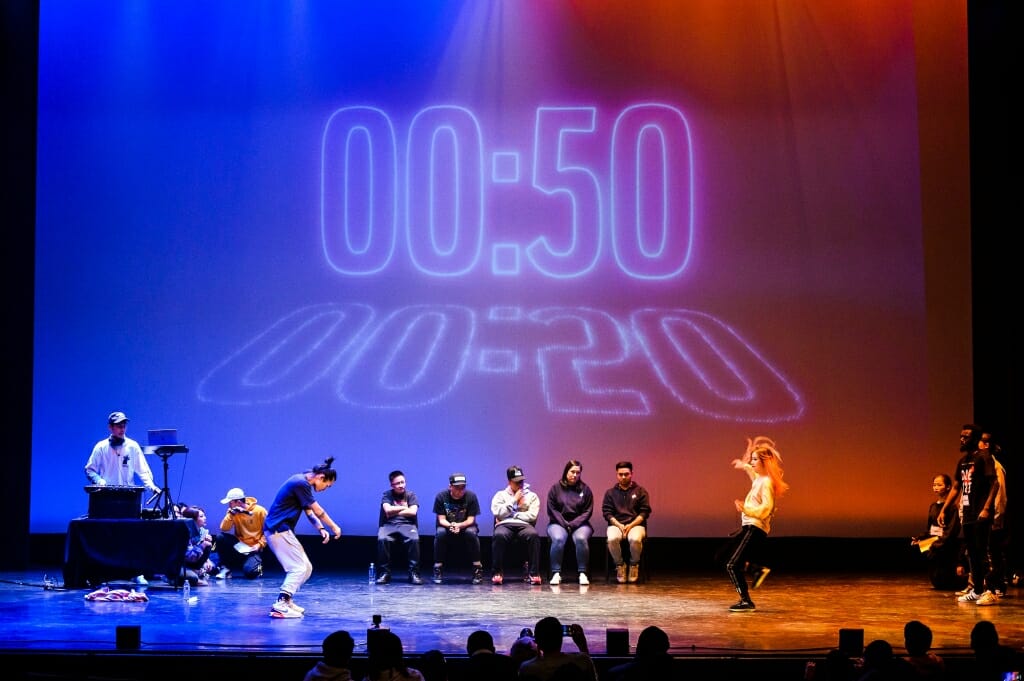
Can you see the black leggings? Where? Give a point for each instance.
(746, 547)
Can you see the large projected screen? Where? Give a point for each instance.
(456, 236)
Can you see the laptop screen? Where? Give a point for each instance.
(163, 436)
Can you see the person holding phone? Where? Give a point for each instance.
(550, 633)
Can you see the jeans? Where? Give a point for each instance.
(580, 537)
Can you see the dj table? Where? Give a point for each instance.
(103, 550)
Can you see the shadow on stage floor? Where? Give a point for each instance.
(61, 634)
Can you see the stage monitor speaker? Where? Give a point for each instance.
(851, 642)
(617, 642)
(128, 636)
(373, 635)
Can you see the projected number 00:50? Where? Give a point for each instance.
(645, 168)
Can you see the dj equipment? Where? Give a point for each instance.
(164, 443)
(115, 501)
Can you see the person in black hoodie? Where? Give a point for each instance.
(570, 504)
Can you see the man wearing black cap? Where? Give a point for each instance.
(456, 509)
(118, 459)
(515, 510)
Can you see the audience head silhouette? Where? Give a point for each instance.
(548, 634)
(652, 641)
(337, 647)
(479, 640)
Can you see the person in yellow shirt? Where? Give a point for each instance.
(241, 543)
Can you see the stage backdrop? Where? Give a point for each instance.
(455, 236)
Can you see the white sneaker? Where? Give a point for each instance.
(987, 598)
(141, 581)
(634, 573)
(283, 609)
(583, 579)
(223, 573)
(556, 579)
(969, 597)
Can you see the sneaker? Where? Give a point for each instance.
(414, 577)
(556, 579)
(620, 574)
(964, 592)
(284, 610)
(223, 573)
(987, 598)
(999, 593)
(385, 578)
(140, 580)
(437, 574)
(760, 576)
(969, 597)
(478, 574)
(634, 573)
(583, 579)
(496, 578)
(743, 606)
(534, 580)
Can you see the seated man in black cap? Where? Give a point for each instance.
(515, 510)
(455, 510)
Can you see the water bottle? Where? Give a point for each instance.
(372, 574)
(186, 591)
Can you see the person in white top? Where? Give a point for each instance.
(763, 464)
(118, 459)
(515, 510)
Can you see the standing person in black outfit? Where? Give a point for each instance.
(455, 510)
(570, 504)
(999, 539)
(626, 508)
(974, 491)
(941, 541)
(399, 509)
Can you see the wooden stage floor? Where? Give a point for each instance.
(797, 614)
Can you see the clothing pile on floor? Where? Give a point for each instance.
(107, 594)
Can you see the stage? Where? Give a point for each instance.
(798, 617)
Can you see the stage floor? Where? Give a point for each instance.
(797, 614)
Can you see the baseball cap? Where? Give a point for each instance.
(116, 417)
(515, 473)
(457, 479)
(233, 494)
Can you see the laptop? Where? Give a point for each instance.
(162, 437)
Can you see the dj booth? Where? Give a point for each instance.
(99, 550)
(114, 543)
